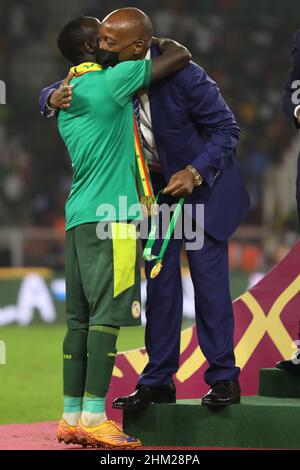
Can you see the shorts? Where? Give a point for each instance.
(103, 281)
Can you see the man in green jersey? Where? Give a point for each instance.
(102, 272)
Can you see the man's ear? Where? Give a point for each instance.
(139, 46)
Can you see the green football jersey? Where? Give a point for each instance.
(98, 132)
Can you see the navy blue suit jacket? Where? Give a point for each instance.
(294, 74)
(192, 124)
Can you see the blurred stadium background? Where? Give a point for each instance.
(245, 46)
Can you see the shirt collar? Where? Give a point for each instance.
(85, 67)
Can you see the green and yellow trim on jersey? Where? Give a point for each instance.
(85, 67)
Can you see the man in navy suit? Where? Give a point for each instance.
(190, 137)
(291, 107)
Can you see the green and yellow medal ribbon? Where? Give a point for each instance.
(143, 179)
(147, 253)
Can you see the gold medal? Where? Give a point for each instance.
(156, 270)
(149, 206)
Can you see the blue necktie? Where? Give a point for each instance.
(136, 108)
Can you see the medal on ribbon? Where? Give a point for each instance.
(147, 253)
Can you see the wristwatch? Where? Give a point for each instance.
(198, 179)
(48, 107)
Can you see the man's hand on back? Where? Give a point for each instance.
(61, 98)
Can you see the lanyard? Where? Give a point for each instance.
(147, 253)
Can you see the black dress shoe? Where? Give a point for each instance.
(291, 365)
(223, 393)
(144, 395)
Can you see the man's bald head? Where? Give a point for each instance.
(128, 30)
(132, 20)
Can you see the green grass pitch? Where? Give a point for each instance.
(31, 380)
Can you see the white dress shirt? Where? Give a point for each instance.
(146, 128)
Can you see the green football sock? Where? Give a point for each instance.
(101, 359)
(93, 412)
(72, 404)
(72, 410)
(75, 362)
(93, 404)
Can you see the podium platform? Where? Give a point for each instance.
(279, 383)
(270, 420)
